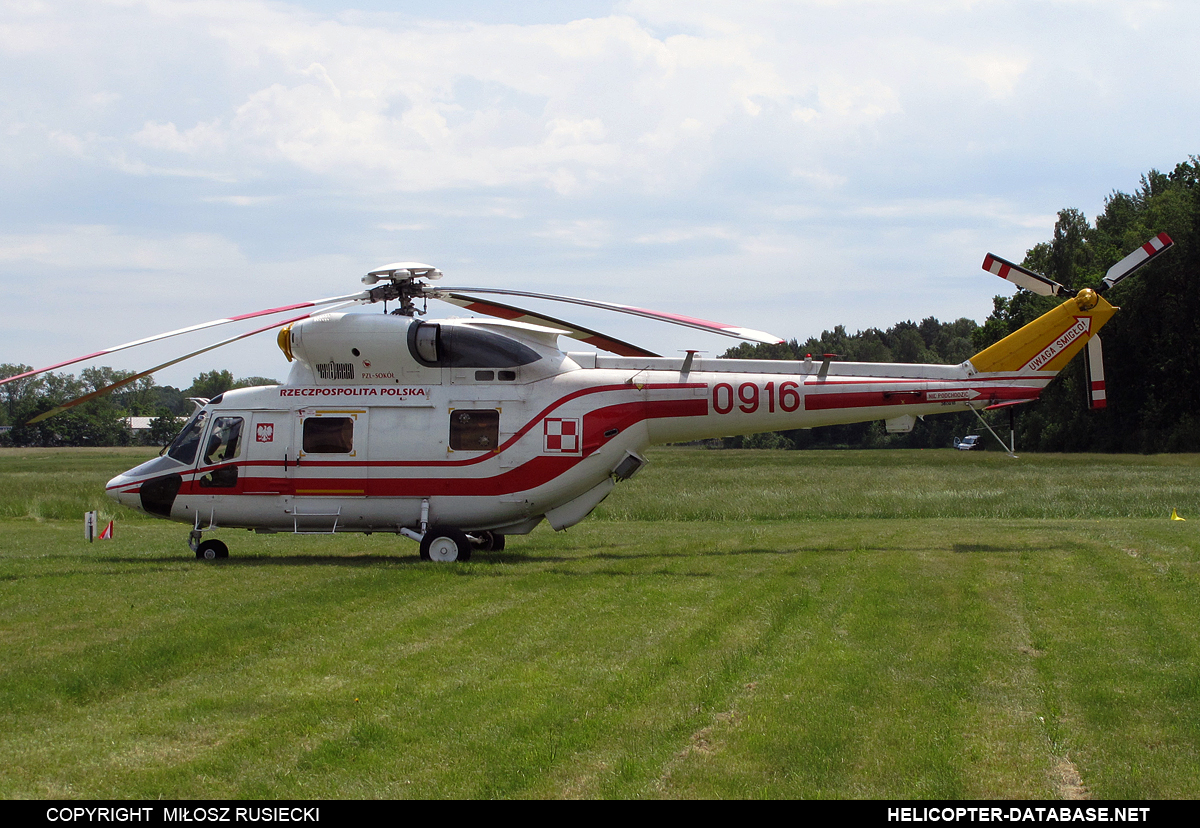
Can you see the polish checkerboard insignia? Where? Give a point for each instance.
(561, 436)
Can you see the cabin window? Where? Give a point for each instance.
(328, 435)
(475, 429)
(485, 376)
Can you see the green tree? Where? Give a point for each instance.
(172, 399)
(254, 382)
(930, 341)
(1151, 348)
(209, 384)
(19, 397)
(163, 427)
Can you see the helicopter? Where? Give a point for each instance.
(457, 433)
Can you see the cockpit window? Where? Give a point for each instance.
(225, 443)
(183, 448)
(459, 346)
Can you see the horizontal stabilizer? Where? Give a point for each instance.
(1007, 404)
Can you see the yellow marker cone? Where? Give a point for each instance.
(1175, 515)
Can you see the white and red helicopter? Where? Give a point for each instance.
(457, 433)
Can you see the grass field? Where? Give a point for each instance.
(728, 624)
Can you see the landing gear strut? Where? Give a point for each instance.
(487, 541)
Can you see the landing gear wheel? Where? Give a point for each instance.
(210, 550)
(488, 541)
(446, 544)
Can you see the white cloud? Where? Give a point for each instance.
(999, 73)
(675, 235)
(84, 287)
(661, 144)
(241, 200)
(587, 234)
(204, 137)
(351, 101)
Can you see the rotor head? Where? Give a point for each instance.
(397, 272)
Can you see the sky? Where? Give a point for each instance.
(784, 166)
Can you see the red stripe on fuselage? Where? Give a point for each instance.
(816, 401)
(529, 475)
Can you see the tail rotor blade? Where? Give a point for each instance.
(675, 319)
(1094, 362)
(1022, 277)
(502, 311)
(1137, 259)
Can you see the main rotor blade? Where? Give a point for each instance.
(675, 319)
(110, 388)
(348, 299)
(1021, 277)
(1136, 259)
(515, 314)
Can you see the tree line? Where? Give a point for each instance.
(101, 421)
(1152, 352)
(1151, 348)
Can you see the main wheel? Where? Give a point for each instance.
(446, 544)
(210, 550)
(488, 541)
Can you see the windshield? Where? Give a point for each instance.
(183, 448)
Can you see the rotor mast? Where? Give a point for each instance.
(403, 285)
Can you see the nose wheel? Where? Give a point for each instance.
(209, 550)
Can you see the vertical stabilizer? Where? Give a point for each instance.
(1048, 343)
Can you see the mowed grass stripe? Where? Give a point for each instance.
(797, 485)
(775, 655)
(1118, 653)
(905, 680)
(619, 673)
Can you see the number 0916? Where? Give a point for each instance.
(749, 397)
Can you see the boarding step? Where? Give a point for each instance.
(297, 516)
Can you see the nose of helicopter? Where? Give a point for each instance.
(120, 489)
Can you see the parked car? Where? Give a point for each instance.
(967, 443)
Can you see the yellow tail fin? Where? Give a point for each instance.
(1049, 342)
